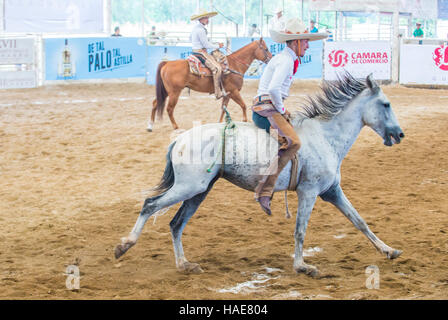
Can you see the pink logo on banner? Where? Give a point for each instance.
(440, 57)
(338, 58)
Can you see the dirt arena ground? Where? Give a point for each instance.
(76, 161)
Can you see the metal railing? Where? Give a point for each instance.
(180, 38)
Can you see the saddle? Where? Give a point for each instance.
(199, 69)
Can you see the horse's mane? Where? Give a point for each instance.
(242, 48)
(334, 97)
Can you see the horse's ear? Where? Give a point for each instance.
(371, 83)
(261, 38)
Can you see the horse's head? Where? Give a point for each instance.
(261, 52)
(379, 116)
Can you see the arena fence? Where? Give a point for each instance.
(30, 61)
(19, 62)
(423, 62)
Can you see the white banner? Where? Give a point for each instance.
(423, 64)
(359, 58)
(2, 22)
(354, 5)
(17, 79)
(423, 9)
(366, 5)
(322, 5)
(64, 16)
(16, 51)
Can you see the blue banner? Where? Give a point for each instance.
(157, 54)
(94, 58)
(442, 9)
(311, 63)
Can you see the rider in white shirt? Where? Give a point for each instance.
(200, 46)
(269, 110)
(278, 21)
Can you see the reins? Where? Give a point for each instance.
(229, 125)
(229, 52)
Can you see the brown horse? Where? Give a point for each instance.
(173, 76)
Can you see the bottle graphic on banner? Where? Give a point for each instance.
(165, 54)
(67, 68)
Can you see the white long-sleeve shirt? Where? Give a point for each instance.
(277, 24)
(277, 78)
(199, 38)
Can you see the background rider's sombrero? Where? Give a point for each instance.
(203, 14)
(295, 30)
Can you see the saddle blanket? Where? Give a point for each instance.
(198, 68)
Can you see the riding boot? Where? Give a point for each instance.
(266, 186)
(217, 84)
(223, 90)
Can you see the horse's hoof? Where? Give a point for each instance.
(191, 268)
(122, 248)
(119, 251)
(307, 269)
(395, 254)
(149, 129)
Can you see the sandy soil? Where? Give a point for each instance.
(76, 162)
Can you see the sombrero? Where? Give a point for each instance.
(278, 9)
(295, 30)
(203, 14)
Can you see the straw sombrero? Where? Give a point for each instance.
(203, 14)
(295, 30)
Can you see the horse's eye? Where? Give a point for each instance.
(387, 105)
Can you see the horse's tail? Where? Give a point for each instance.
(161, 93)
(167, 180)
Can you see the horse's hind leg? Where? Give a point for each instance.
(336, 196)
(174, 97)
(150, 207)
(153, 116)
(177, 225)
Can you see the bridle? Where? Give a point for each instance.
(265, 52)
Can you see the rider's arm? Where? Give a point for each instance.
(280, 74)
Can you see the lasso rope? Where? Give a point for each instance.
(229, 125)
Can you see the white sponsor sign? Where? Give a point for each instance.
(17, 79)
(359, 58)
(68, 16)
(423, 64)
(15, 51)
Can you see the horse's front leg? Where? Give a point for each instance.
(238, 99)
(307, 200)
(337, 197)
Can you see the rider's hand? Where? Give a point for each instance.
(287, 115)
(221, 44)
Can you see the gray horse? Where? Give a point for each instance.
(327, 126)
